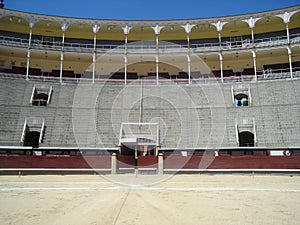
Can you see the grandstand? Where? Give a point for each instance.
(162, 96)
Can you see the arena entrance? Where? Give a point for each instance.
(138, 147)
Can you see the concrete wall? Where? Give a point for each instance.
(189, 116)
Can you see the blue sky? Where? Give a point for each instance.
(146, 9)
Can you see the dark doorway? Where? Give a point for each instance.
(246, 139)
(32, 139)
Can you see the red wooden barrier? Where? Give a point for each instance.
(232, 162)
(66, 162)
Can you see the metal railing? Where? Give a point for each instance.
(146, 47)
(261, 75)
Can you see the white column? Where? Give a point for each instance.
(126, 30)
(286, 19)
(125, 58)
(188, 41)
(94, 51)
(157, 72)
(157, 58)
(251, 23)
(126, 43)
(28, 50)
(61, 66)
(156, 43)
(290, 60)
(63, 28)
(188, 57)
(221, 67)
(287, 33)
(125, 68)
(188, 29)
(219, 26)
(220, 40)
(94, 66)
(189, 67)
(157, 30)
(254, 64)
(28, 64)
(252, 35)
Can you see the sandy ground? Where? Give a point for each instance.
(142, 199)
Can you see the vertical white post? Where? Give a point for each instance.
(126, 30)
(252, 36)
(286, 19)
(28, 51)
(254, 65)
(125, 68)
(156, 44)
(94, 66)
(61, 66)
(220, 41)
(156, 61)
(157, 72)
(221, 67)
(94, 52)
(125, 58)
(251, 23)
(28, 64)
(189, 67)
(63, 28)
(290, 61)
(126, 43)
(287, 33)
(157, 32)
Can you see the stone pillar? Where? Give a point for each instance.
(160, 163)
(114, 167)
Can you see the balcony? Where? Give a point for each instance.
(149, 47)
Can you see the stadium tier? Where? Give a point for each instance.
(211, 94)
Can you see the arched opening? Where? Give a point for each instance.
(246, 139)
(32, 139)
(241, 100)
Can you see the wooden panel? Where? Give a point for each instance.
(66, 162)
(126, 161)
(147, 161)
(233, 162)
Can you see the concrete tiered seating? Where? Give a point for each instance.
(189, 116)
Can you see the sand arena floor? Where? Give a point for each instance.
(141, 199)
